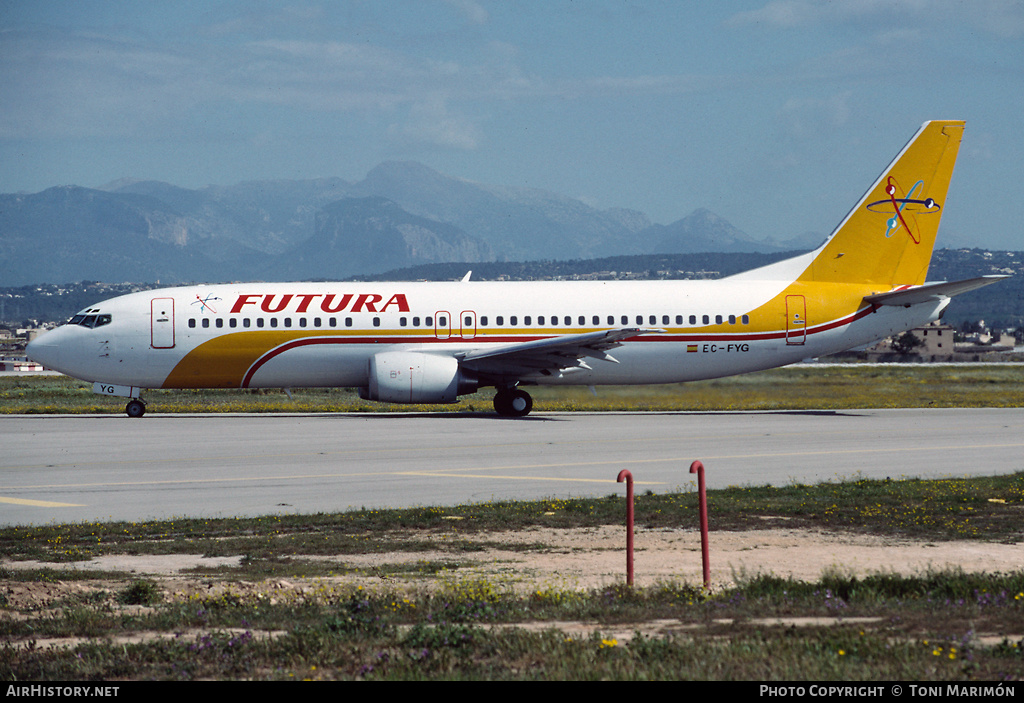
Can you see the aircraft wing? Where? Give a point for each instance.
(931, 291)
(547, 357)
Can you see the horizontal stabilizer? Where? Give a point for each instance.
(931, 291)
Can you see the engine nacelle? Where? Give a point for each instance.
(414, 377)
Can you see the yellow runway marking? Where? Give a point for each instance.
(40, 503)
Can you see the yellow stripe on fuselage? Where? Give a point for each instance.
(224, 360)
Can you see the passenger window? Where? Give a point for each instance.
(206, 322)
(540, 320)
(233, 322)
(192, 322)
(597, 320)
(348, 321)
(732, 319)
(679, 319)
(625, 320)
(442, 321)
(403, 321)
(245, 322)
(220, 322)
(287, 322)
(260, 322)
(527, 320)
(693, 319)
(706, 319)
(568, 320)
(499, 320)
(428, 322)
(664, 319)
(415, 322)
(513, 320)
(376, 322)
(317, 322)
(302, 322)
(745, 319)
(718, 319)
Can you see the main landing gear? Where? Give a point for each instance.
(513, 402)
(135, 408)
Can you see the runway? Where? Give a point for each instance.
(56, 469)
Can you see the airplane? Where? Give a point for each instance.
(431, 342)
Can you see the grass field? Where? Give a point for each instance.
(792, 388)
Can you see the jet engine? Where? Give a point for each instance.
(414, 377)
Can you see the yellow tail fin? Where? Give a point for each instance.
(889, 236)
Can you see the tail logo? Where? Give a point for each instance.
(904, 208)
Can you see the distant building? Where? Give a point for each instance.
(936, 345)
(937, 339)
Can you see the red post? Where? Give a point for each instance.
(624, 475)
(702, 505)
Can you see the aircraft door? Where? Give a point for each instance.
(796, 319)
(162, 323)
(442, 324)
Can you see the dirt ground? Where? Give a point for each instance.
(576, 559)
(573, 559)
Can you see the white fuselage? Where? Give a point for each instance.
(323, 334)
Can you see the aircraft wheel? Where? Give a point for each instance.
(513, 403)
(135, 408)
(503, 403)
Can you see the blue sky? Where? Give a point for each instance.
(776, 114)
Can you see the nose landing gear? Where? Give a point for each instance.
(513, 402)
(135, 408)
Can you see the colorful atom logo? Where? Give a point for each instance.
(904, 208)
(204, 303)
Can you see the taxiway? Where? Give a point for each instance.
(84, 468)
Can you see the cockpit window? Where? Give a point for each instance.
(90, 321)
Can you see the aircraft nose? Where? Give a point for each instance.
(45, 351)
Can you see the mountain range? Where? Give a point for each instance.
(402, 214)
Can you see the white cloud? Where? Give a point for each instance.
(471, 10)
(1003, 18)
(803, 118)
(75, 84)
(430, 123)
